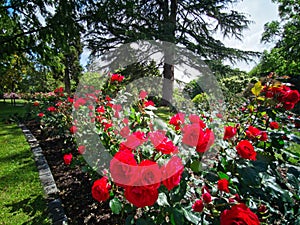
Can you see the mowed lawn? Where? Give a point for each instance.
(21, 194)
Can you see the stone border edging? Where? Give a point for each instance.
(56, 211)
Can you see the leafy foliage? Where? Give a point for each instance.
(283, 59)
(251, 164)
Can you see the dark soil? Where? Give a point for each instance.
(74, 185)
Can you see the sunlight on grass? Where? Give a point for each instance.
(21, 197)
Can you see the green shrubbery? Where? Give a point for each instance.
(202, 167)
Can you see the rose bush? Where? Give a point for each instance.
(239, 214)
(159, 167)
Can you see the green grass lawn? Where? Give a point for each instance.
(7, 110)
(21, 196)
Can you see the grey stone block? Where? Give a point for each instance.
(37, 150)
(47, 179)
(56, 211)
(50, 190)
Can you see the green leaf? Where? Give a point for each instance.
(115, 206)
(223, 175)
(129, 220)
(257, 88)
(141, 222)
(261, 98)
(177, 217)
(196, 166)
(293, 181)
(162, 200)
(212, 177)
(190, 216)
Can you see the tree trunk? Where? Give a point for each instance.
(168, 84)
(67, 80)
(169, 34)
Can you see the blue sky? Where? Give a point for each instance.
(260, 12)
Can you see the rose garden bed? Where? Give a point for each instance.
(186, 169)
(73, 184)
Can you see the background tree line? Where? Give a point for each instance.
(42, 40)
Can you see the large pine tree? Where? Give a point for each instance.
(191, 23)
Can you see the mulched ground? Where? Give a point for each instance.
(74, 186)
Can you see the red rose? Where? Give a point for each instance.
(81, 149)
(59, 103)
(292, 96)
(116, 77)
(252, 132)
(79, 102)
(290, 99)
(219, 115)
(73, 129)
(162, 143)
(125, 120)
(36, 103)
(262, 208)
(109, 104)
(177, 120)
(204, 189)
(100, 109)
(191, 134)
(143, 94)
(263, 136)
(59, 90)
(235, 198)
(41, 114)
(123, 147)
(51, 109)
(196, 119)
(141, 196)
(288, 105)
(122, 168)
(71, 100)
(274, 125)
(246, 150)
(100, 189)
(269, 94)
(106, 125)
(148, 103)
(206, 141)
(68, 158)
(91, 107)
(280, 92)
(239, 214)
(229, 132)
(134, 140)
(149, 174)
(171, 172)
(125, 131)
(198, 206)
(107, 98)
(206, 197)
(223, 185)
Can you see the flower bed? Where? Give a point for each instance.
(132, 168)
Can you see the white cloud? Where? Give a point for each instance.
(260, 12)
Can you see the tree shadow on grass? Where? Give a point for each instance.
(21, 157)
(34, 207)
